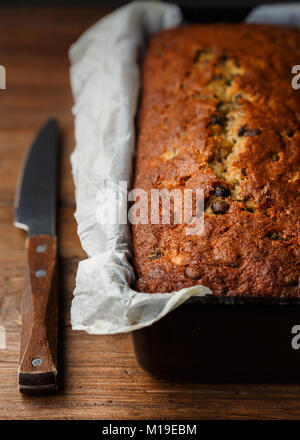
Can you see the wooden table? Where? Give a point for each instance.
(101, 378)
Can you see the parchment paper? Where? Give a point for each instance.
(105, 83)
(282, 13)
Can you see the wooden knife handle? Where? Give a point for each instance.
(38, 351)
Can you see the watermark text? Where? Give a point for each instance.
(155, 206)
(296, 78)
(2, 338)
(2, 78)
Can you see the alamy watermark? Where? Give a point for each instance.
(296, 78)
(2, 78)
(2, 338)
(156, 206)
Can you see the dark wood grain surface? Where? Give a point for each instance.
(101, 378)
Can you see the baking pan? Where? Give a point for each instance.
(224, 338)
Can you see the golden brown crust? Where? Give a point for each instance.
(218, 113)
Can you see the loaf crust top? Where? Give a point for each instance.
(218, 113)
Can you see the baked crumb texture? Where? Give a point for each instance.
(218, 113)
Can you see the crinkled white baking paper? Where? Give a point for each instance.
(105, 83)
(282, 13)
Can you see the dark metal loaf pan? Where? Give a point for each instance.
(224, 339)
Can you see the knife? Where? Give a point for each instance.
(35, 211)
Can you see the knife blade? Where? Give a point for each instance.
(35, 211)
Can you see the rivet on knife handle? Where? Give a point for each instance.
(38, 353)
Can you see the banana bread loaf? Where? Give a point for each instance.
(218, 113)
